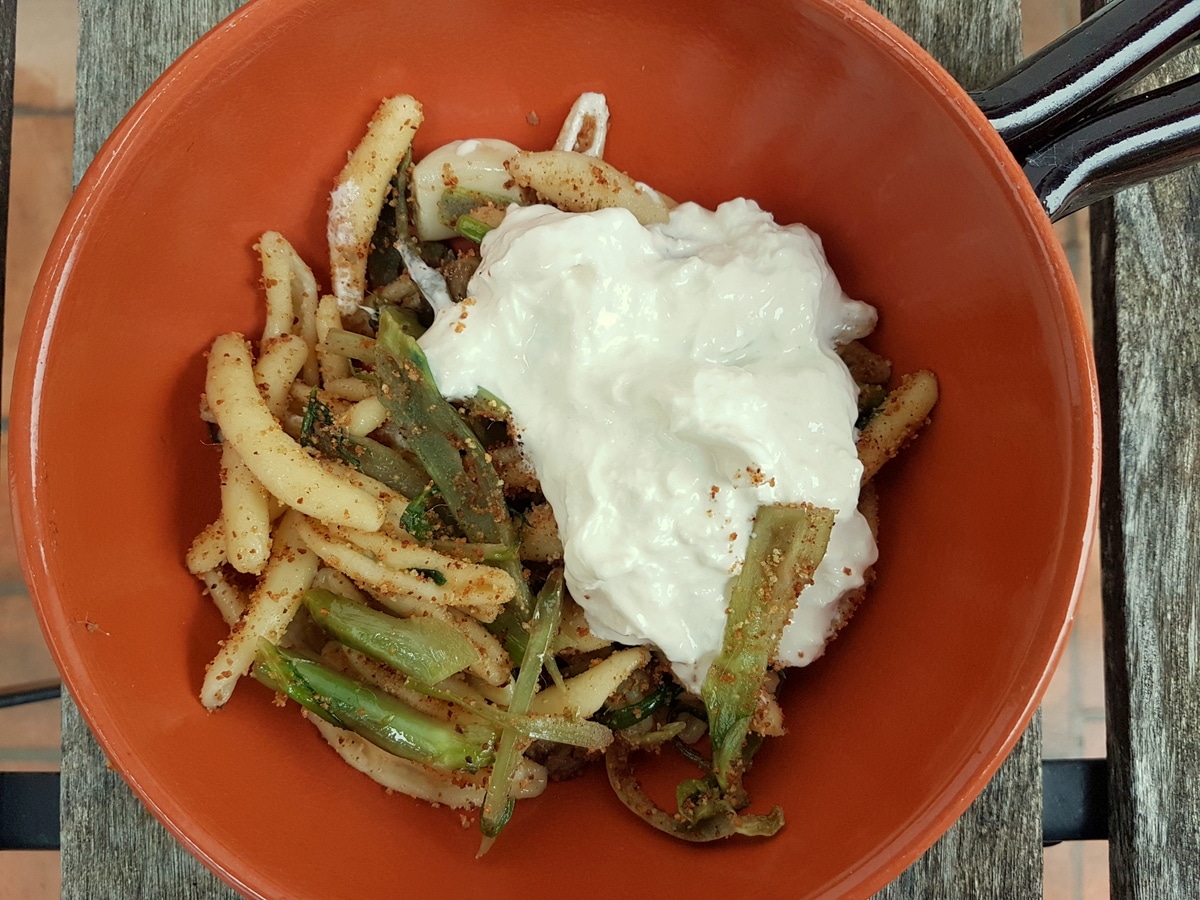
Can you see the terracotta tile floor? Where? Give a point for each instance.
(1073, 712)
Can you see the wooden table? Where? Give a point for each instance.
(1147, 277)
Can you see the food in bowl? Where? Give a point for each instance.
(579, 480)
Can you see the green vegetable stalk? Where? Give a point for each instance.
(458, 201)
(472, 228)
(787, 545)
(498, 802)
(454, 458)
(705, 814)
(377, 716)
(446, 446)
(785, 549)
(421, 647)
(570, 730)
(368, 456)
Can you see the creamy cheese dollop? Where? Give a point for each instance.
(666, 381)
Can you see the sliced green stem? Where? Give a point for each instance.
(458, 202)
(786, 546)
(375, 715)
(498, 801)
(383, 261)
(510, 624)
(560, 729)
(435, 432)
(720, 819)
(410, 321)
(398, 471)
(422, 647)
(455, 459)
(472, 228)
(372, 458)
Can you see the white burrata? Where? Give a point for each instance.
(666, 381)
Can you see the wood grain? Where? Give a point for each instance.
(1146, 277)
(8, 62)
(975, 40)
(112, 847)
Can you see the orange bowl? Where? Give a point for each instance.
(820, 110)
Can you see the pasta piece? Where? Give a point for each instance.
(868, 505)
(207, 551)
(481, 691)
(349, 388)
(359, 192)
(865, 365)
(291, 295)
(304, 303)
(275, 458)
(273, 254)
(390, 566)
(333, 366)
(514, 469)
(409, 605)
(228, 598)
(365, 416)
(336, 582)
(459, 790)
(351, 344)
(394, 504)
(273, 603)
(586, 127)
(281, 360)
(897, 421)
(574, 636)
(246, 514)
(495, 668)
(577, 183)
(480, 585)
(474, 167)
(583, 695)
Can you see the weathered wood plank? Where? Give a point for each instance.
(8, 62)
(123, 47)
(111, 845)
(975, 40)
(113, 848)
(1146, 277)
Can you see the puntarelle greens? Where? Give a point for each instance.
(385, 558)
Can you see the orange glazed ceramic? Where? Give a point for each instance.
(821, 111)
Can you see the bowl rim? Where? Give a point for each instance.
(189, 70)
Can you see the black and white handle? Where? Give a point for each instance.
(1055, 110)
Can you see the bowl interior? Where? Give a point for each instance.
(817, 110)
